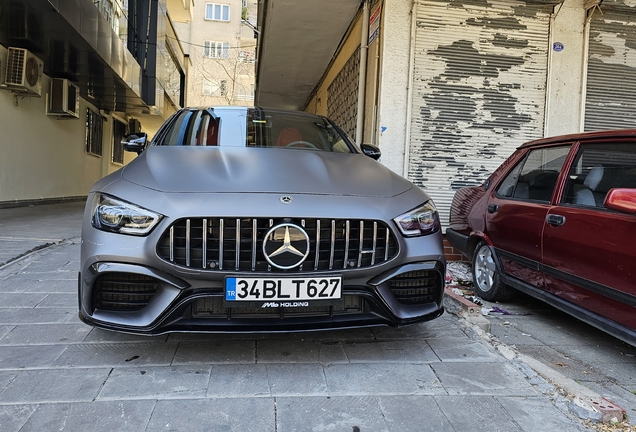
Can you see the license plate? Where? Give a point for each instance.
(283, 289)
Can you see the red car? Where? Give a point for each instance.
(558, 221)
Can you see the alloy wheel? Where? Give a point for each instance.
(484, 268)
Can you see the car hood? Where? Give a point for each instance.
(175, 169)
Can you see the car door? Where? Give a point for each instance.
(588, 250)
(517, 210)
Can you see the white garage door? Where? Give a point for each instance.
(478, 91)
(610, 101)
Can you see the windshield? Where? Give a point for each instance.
(252, 127)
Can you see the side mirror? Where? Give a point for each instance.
(622, 200)
(135, 142)
(370, 150)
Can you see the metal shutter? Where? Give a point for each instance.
(610, 101)
(478, 91)
(342, 95)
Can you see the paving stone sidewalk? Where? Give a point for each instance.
(56, 373)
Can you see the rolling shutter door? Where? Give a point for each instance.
(478, 91)
(610, 101)
(342, 95)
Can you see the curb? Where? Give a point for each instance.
(458, 305)
(585, 404)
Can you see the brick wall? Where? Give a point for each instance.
(451, 253)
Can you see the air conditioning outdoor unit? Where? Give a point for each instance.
(63, 98)
(23, 72)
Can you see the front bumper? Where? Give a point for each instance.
(173, 305)
(165, 293)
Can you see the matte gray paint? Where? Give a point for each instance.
(262, 170)
(237, 182)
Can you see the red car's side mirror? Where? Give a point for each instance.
(622, 200)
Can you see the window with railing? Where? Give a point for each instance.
(213, 49)
(111, 10)
(215, 88)
(94, 132)
(245, 92)
(119, 132)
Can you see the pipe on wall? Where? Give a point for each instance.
(409, 103)
(362, 80)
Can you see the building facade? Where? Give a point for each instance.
(221, 46)
(75, 77)
(451, 88)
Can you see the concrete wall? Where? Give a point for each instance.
(391, 53)
(564, 99)
(42, 157)
(394, 84)
(239, 76)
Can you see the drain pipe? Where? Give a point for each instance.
(362, 80)
(409, 98)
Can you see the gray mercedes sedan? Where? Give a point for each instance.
(238, 219)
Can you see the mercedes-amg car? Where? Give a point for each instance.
(236, 219)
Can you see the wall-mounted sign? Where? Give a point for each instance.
(374, 24)
(557, 46)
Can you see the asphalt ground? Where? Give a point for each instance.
(57, 373)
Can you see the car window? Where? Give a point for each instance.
(177, 128)
(253, 127)
(275, 129)
(534, 177)
(598, 168)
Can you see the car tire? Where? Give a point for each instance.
(486, 278)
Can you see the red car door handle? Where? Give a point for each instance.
(555, 220)
(492, 208)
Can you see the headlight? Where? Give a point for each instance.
(420, 221)
(114, 215)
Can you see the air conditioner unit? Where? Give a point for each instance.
(23, 72)
(63, 98)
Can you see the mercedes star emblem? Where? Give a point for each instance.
(286, 199)
(286, 246)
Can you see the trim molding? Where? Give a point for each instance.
(604, 290)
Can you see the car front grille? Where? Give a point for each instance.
(416, 287)
(123, 291)
(212, 307)
(236, 244)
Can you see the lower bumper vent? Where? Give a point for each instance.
(416, 287)
(212, 307)
(123, 291)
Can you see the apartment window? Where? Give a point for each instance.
(119, 132)
(111, 12)
(215, 88)
(94, 128)
(242, 95)
(217, 12)
(216, 49)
